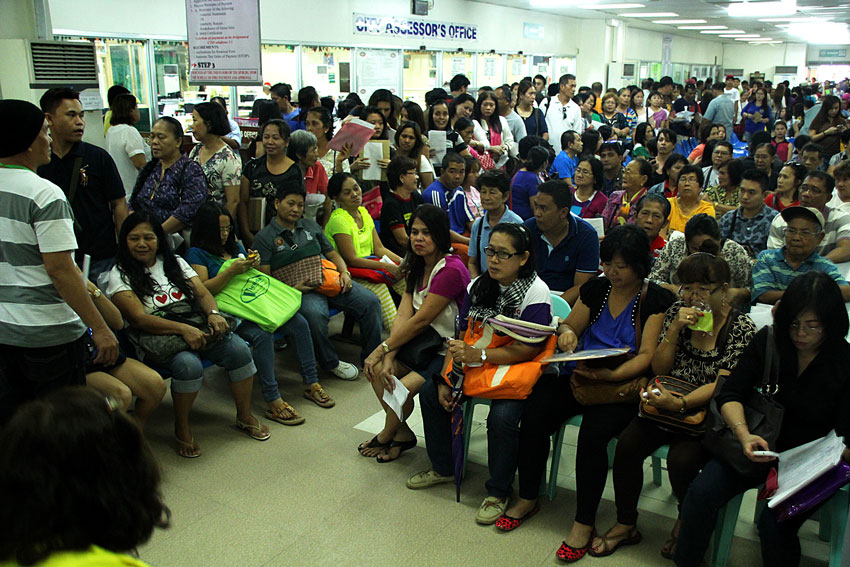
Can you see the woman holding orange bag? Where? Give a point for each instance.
(510, 288)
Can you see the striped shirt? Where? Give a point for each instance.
(35, 219)
(837, 228)
(772, 272)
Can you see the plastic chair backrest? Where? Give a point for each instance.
(560, 307)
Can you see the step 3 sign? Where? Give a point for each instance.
(224, 42)
(417, 28)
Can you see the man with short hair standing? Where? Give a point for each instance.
(732, 92)
(42, 296)
(561, 112)
(504, 95)
(88, 177)
(721, 110)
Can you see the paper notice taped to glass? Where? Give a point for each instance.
(396, 398)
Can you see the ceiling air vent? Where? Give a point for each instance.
(786, 70)
(62, 64)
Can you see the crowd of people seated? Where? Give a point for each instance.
(660, 213)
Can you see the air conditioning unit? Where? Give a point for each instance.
(621, 74)
(62, 64)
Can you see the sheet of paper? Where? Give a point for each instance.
(598, 224)
(355, 132)
(373, 151)
(437, 141)
(596, 125)
(397, 398)
(586, 354)
(800, 466)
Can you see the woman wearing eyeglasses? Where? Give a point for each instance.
(702, 234)
(695, 356)
(810, 327)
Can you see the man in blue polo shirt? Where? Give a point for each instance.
(775, 269)
(442, 190)
(566, 247)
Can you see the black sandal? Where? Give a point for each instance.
(402, 445)
(373, 444)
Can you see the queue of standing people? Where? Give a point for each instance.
(456, 241)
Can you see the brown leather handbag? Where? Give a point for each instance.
(691, 421)
(590, 392)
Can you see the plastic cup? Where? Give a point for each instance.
(706, 322)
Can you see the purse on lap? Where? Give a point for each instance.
(691, 422)
(306, 265)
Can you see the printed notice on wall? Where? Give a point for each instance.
(224, 42)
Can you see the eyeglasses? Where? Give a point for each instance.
(806, 329)
(501, 254)
(226, 229)
(814, 189)
(803, 233)
(698, 291)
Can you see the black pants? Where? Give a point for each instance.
(29, 373)
(639, 440)
(550, 404)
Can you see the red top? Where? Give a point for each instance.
(656, 245)
(774, 202)
(316, 179)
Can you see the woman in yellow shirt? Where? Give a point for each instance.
(111, 507)
(687, 202)
(352, 232)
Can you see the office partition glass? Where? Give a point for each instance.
(489, 70)
(517, 68)
(328, 69)
(419, 75)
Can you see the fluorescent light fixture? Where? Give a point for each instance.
(649, 15)
(723, 31)
(824, 33)
(702, 27)
(764, 42)
(610, 6)
(756, 9)
(745, 35)
(679, 22)
(742, 38)
(792, 19)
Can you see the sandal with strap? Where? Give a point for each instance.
(258, 432)
(373, 443)
(285, 414)
(192, 451)
(668, 550)
(318, 396)
(631, 537)
(402, 447)
(569, 554)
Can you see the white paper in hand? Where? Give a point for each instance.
(373, 151)
(437, 141)
(397, 398)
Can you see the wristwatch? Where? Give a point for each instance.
(213, 312)
(483, 355)
(684, 407)
(385, 347)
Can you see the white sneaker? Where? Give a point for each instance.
(346, 371)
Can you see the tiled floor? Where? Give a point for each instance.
(306, 497)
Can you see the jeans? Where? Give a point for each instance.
(98, 267)
(298, 332)
(502, 438)
(710, 491)
(358, 300)
(28, 373)
(231, 353)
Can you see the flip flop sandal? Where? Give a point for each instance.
(279, 415)
(569, 554)
(508, 524)
(318, 396)
(632, 539)
(253, 431)
(669, 548)
(402, 445)
(190, 446)
(372, 444)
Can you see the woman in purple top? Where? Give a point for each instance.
(589, 201)
(525, 182)
(756, 114)
(171, 186)
(435, 290)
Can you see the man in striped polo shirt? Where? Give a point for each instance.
(776, 269)
(42, 296)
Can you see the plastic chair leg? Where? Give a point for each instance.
(724, 531)
(612, 447)
(656, 471)
(837, 509)
(468, 411)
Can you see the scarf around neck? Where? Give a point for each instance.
(507, 302)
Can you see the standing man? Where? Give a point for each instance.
(459, 84)
(281, 93)
(504, 95)
(734, 95)
(539, 87)
(721, 110)
(688, 102)
(561, 112)
(665, 87)
(88, 177)
(42, 343)
(596, 89)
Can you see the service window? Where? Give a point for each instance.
(456, 63)
(419, 75)
(328, 69)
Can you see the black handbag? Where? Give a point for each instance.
(690, 422)
(160, 349)
(419, 351)
(762, 413)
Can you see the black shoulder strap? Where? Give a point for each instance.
(75, 179)
(480, 221)
(770, 373)
(720, 344)
(732, 227)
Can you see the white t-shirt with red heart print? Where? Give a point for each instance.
(166, 293)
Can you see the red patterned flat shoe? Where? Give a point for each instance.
(569, 554)
(508, 524)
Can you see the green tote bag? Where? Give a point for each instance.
(256, 297)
